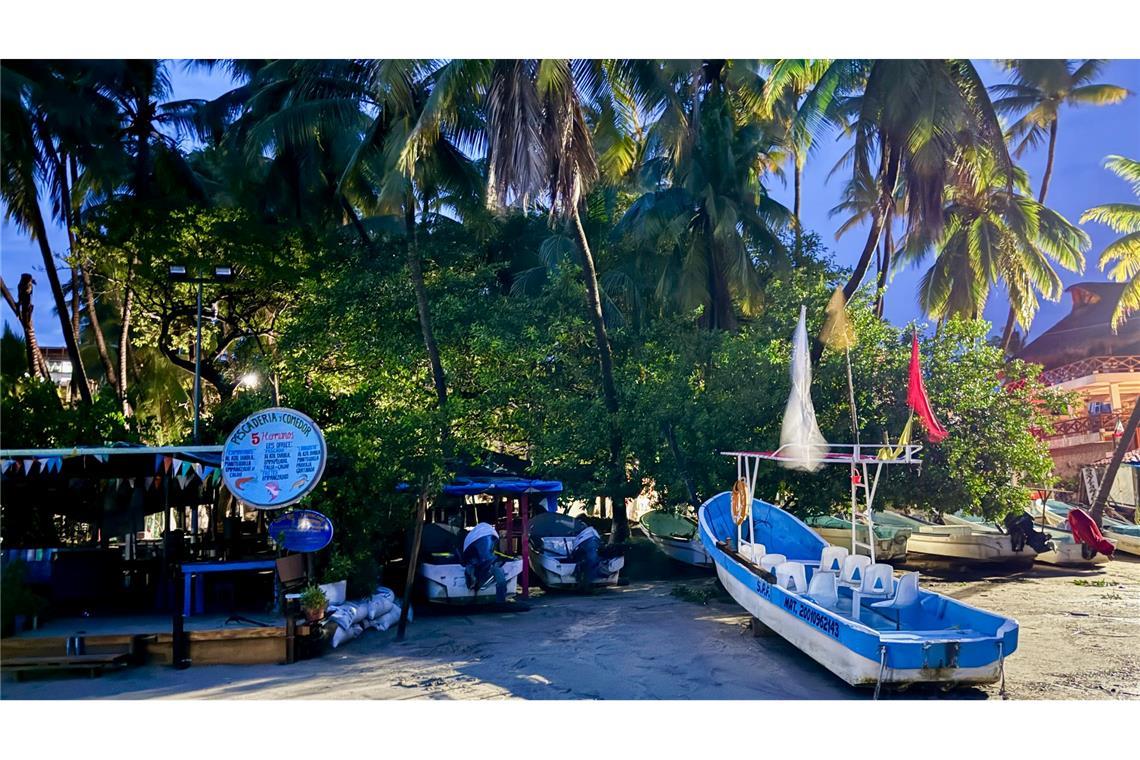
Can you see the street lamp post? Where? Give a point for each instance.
(180, 273)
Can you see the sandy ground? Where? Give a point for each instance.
(640, 641)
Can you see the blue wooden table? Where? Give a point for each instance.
(190, 569)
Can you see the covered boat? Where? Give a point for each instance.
(676, 535)
(1064, 552)
(958, 542)
(890, 543)
(445, 574)
(924, 637)
(568, 553)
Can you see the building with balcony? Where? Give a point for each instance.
(1081, 353)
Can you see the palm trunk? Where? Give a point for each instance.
(35, 358)
(797, 187)
(415, 269)
(69, 337)
(1117, 457)
(884, 263)
(1007, 333)
(892, 157)
(609, 390)
(124, 333)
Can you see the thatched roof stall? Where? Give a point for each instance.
(1086, 332)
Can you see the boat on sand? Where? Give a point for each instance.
(676, 535)
(890, 543)
(964, 543)
(568, 553)
(442, 575)
(1065, 552)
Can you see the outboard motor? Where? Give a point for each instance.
(479, 560)
(1022, 531)
(587, 555)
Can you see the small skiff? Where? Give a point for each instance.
(931, 638)
(676, 535)
(1065, 552)
(441, 575)
(567, 553)
(1125, 535)
(890, 543)
(957, 542)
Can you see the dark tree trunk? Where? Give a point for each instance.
(884, 263)
(892, 157)
(69, 336)
(24, 308)
(797, 187)
(1122, 447)
(609, 389)
(1007, 333)
(415, 270)
(125, 331)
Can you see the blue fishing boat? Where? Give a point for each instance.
(845, 610)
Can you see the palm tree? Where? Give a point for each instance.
(993, 234)
(1123, 254)
(27, 160)
(1040, 88)
(861, 196)
(909, 119)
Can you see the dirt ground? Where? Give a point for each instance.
(1079, 640)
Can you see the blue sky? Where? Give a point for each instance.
(1085, 137)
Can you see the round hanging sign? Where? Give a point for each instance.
(273, 458)
(302, 530)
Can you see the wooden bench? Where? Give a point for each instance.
(92, 663)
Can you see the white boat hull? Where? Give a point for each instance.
(968, 545)
(1124, 543)
(1065, 552)
(558, 572)
(447, 584)
(691, 552)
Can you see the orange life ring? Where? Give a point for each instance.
(739, 501)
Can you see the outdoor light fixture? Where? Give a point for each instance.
(178, 272)
(223, 274)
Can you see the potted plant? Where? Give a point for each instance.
(313, 603)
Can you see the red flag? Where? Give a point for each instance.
(916, 396)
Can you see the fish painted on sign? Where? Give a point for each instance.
(298, 483)
(240, 482)
(273, 489)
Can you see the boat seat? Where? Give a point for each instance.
(824, 589)
(752, 552)
(854, 567)
(770, 561)
(831, 559)
(906, 595)
(878, 580)
(791, 576)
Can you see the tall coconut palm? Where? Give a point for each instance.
(1039, 90)
(27, 144)
(909, 118)
(993, 235)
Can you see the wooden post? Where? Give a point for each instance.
(413, 560)
(524, 544)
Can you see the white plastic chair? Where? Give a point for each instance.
(831, 559)
(752, 552)
(878, 582)
(791, 576)
(770, 561)
(824, 589)
(854, 567)
(906, 595)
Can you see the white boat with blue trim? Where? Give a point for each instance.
(845, 610)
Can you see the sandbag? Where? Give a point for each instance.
(334, 592)
(378, 606)
(388, 619)
(341, 635)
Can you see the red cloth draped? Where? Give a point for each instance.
(1085, 531)
(917, 399)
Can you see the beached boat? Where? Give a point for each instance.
(890, 543)
(567, 553)
(848, 612)
(1064, 552)
(442, 575)
(963, 543)
(676, 535)
(927, 637)
(1125, 535)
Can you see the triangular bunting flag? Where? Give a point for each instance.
(5, 464)
(157, 462)
(197, 467)
(103, 457)
(166, 462)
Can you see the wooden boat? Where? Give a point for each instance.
(676, 535)
(556, 550)
(890, 543)
(934, 639)
(963, 543)
(1065, 552)
(441, 576)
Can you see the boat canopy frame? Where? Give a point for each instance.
(866, 462)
